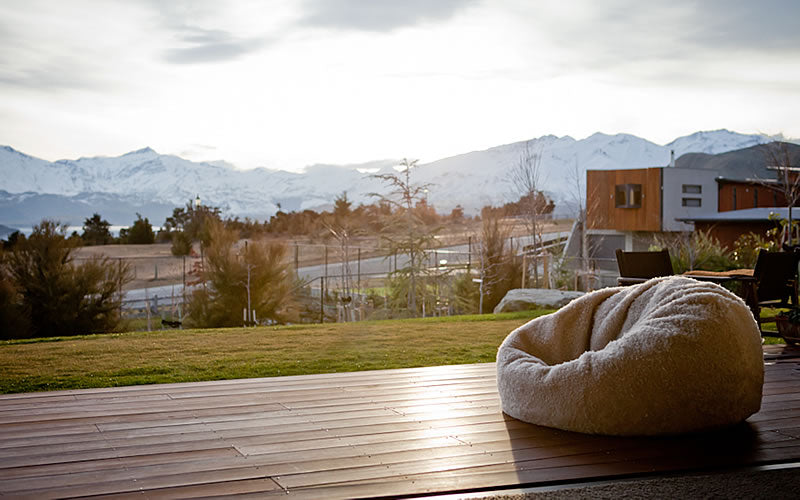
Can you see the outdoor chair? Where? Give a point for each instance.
(638, 267)
(775, 282)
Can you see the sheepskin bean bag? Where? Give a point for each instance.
(668, 356)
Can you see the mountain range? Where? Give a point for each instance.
(152, 184)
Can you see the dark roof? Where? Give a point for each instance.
(745, 215)
(754, 182)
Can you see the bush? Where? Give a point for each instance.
(96, 231)
(466, 295)
(699, 250)
(398, 285)
(57, 296)
(221, 301)
(501, 269)
(181, 244)
(747, 247)
(140, 233)
(14, 318)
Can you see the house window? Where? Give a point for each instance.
(734, 198)
(692, 189)
(691, 202)
(628, 196)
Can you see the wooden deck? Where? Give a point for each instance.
(409, 432)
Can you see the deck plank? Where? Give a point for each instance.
(406, 431)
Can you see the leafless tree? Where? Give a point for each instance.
(577, 181)
(499, 267)
(409, 236)
(778, 157)
(526, 180)
(342, 227)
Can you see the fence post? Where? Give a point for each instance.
(119, 283)
(322, 299)
(147, 308)
(546, 270)
(296, 258)
(469, 253)
(184, 284)
(524, 267)
(359, 270)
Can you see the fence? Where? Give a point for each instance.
(338, 289)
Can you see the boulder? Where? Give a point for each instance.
(522, 299)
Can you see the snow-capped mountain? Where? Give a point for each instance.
(719, 141)
(151, 183)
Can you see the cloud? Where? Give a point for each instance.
(207, 46)
(713, 42)
(53, 76)
(195, 150)
(631, 30)
(196, 34)
(378, 15)
(767, 25)
(28, 62)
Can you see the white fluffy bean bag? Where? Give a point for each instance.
(668, 356)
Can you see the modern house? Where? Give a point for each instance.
(727, 195)
(627, 208)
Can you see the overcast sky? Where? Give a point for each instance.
(284, 84)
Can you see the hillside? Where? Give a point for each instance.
(740, 164)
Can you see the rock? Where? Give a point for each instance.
(523, 299)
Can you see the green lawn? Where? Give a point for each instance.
(766, 314)
(192, 355)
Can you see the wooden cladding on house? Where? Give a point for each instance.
(738, 195)
(624, 200)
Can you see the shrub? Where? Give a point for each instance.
(501, 269)
(399, 285)
(14, 318)
(699, 250)
(140, 233)
(747, 247)
(181, 244)
(58, 296)
(96, 231)
(466, 294)
(222, 299)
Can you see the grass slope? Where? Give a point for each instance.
(192, 355)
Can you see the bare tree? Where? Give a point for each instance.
(499, 267)
(778, 157)
(577, 181)
(341, 226)
(409, 235)
(525, 177)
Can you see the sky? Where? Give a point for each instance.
(287, 84)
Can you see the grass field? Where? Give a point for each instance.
(193, 355)
(167, 356)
